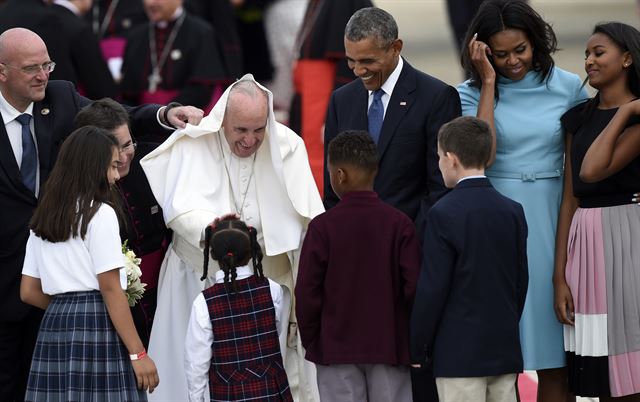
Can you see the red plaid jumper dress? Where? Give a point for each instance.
(246, 363)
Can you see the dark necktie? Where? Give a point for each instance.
(376, 115)
(29, 164)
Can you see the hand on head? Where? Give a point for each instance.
(179, 116)
(479, 53)
(225, 217)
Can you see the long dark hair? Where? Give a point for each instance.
(77, 186)
(495, 16)
(233, 244)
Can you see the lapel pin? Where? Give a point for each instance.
(45, 111)
(176, 54)
(403, 103)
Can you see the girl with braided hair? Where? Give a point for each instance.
(232, 337)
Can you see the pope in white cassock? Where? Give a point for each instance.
(238, 159)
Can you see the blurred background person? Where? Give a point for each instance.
(221, 15)
(92, 76)
(172, 58)
(111, 21)
(282, 20)
(321, 67)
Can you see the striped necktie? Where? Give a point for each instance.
(376, 115)
(29, 164)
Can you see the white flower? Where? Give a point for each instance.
(135, 289)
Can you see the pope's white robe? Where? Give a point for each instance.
(188, 177)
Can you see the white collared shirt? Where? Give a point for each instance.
(388, 87)
(478, 176)
(14, 131)
(197, 345)
(68, 5)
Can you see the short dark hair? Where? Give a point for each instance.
(105, 113)
(469, 138)
(495, 16)
(372, 22)
(355, 148)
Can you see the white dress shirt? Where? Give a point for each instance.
(388, 87)
(197, 345)
(73, 265)
(14, 131)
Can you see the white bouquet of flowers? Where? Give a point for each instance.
(135, 289)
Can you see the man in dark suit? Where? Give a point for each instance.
(37, 16)
(474, 277)
(91, 73)
(403, 109)
(28, 149)
(413, 106)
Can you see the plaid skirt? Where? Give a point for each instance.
(79, 356)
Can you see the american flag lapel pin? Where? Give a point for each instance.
(403, 103)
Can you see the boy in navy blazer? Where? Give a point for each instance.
(358, 271)
(473, 283)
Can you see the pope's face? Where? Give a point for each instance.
(245, 123)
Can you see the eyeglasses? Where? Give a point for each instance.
(35, 68)
(127, 147)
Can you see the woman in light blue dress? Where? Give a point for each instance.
(516, 88)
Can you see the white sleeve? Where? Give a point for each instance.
(103, 240)
(276, 295)
(197, 350)
(30, 265)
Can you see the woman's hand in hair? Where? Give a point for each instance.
(479, 53)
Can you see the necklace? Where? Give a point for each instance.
(98, 28)
(226, 168)
(157, 63)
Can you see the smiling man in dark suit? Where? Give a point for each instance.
(403, 109)
(400, 106)
(37, 114)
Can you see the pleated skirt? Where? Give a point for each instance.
(603, 273)
(79, 356)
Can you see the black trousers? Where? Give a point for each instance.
(17, 341)
(423, 385)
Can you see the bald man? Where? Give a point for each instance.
(37, 114)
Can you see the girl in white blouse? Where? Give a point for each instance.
(87, 347)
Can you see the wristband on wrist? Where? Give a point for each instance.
(165, 112)
(138, 356)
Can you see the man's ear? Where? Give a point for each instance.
(342, 175)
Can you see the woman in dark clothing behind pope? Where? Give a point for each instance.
(145, 231)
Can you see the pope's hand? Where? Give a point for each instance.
(225, 217)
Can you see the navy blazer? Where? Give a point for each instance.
(473, 284)
(53, 120)
(408, 175)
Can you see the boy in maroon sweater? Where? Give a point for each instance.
(357, 278)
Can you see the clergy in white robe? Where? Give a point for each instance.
(205, 171)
